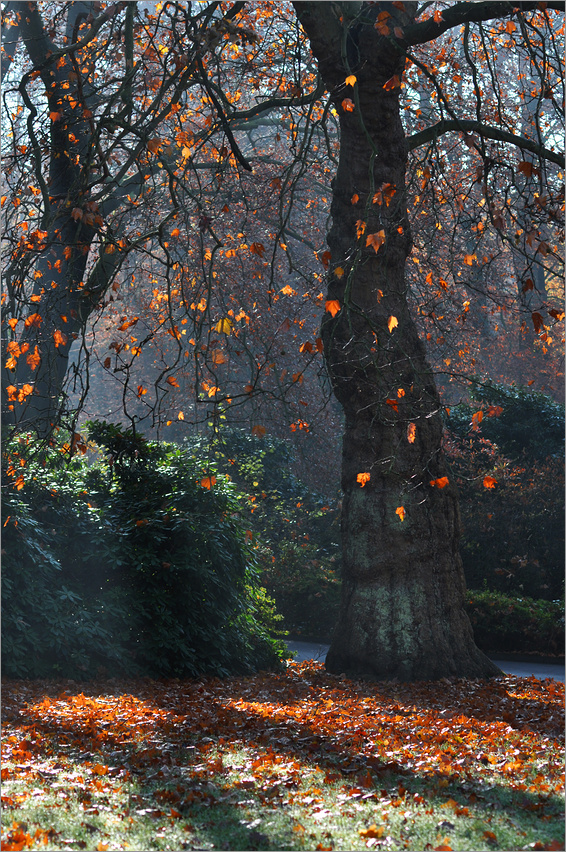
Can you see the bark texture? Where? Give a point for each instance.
(402, 612)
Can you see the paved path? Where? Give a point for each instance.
(317, 651)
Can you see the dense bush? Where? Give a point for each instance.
(523, 423)
(139, 563)
(503, 623)
(512, 502)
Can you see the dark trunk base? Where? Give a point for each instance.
(385, 633)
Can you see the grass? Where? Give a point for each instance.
(297, 761)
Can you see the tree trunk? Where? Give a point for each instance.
(402, 610)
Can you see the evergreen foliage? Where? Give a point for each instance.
(129, 564)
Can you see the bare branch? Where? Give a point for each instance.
(496, 133)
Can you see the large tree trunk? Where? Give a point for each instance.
(402, 610)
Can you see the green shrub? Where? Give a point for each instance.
(523, 423)
(513, 531)
(295, 530)
(521, 625)
(131, 563)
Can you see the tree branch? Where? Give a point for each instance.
(10, 36)
(467, 13)
(237, 117)
(469, 126)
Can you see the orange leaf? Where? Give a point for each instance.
(355, 198)
(393, 404)
(128, 324)
(348, 105)
(476, 420)
(33, 319)
(439, 483)
(393, 83)
(180, 416)
(444, 847)
(171, 380)
(411, 433)
(493, 410)
(362, 478)
(141, 391)
(259, 431)
(376, 240)
(338, 272)
(59, 338)
(332, 306)
(489, 482)
(400, 510)
(208, 482)
(438, 17)
(372, 831)
(257, 248)
(489, 835)
(351, 80)
(536, 318)
(510, 27)
(392, 323)
(33, 358)
(325, 258)
(469, 259)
